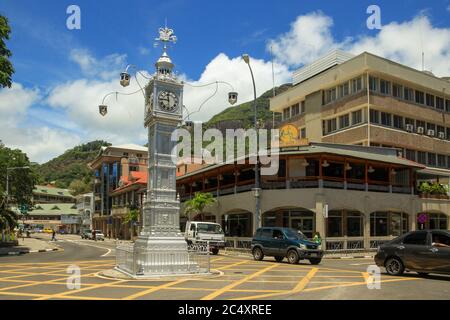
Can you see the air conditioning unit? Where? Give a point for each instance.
(430, 133)
(420, 130)
(441, 135)
(409, 127)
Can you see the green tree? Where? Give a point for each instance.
(21, 185)
(198, 203)
(6, 68)
(77, 187)
(131, 217)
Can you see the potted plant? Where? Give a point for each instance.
(424, 189)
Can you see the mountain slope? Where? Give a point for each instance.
(243, 115)
(71, 165)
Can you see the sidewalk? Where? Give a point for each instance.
(28, 245)
(327, 255)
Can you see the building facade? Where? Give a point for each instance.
(85, 207)
(356, 197)
(109, 166)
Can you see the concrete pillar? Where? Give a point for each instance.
(366, 221)
(319, 215)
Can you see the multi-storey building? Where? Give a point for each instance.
(110, 165)
(368, 100)
(50, 194)
(85, 207)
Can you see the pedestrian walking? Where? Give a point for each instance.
(53, 235)
(94, 236)
(317, 239)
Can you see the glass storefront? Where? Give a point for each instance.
(436, 221)
(299, 219)
(342, 223)
(237, 224)
(383, 224)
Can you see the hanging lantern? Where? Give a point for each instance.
(125, 79)
(232, 97)
(103, 109)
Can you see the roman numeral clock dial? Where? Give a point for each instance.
(168, 101)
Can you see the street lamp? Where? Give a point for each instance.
(7, 180)
(257, 189)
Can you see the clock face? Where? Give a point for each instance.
(168, 101)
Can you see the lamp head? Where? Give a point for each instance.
(246, 58)
(124, 79)
(103, 109)
(232, 97)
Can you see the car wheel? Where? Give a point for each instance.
(292, 256)
(258, 254)
(215, 251)
(394, 266)
(279, 258)
(315, 261)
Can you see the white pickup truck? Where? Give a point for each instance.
(198, 232)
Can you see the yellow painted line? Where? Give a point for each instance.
(272, 281)
(20, 294)
(298, 288)
(237, 283)
(256, 290)
(164, 286)
(216, 259)
(365, 276)
(331, 276)
(233, 265)
(66, 293)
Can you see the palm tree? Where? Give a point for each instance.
(8, 220)
(131, 217)
(198, 203)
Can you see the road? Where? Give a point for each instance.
(44, 276)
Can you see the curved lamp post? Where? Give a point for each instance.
(257, 189)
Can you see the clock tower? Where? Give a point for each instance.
(161, 247)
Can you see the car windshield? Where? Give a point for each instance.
(209, 228)
(293, 234)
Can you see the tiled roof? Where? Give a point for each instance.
(53, 209)
(52, 191)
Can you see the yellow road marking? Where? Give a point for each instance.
(237, 283)
(164, 286)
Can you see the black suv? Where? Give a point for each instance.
(424, 251)
(285, 242)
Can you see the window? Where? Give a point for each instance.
(439, 130)
(420, 98)
(440, 103)
(356, 117)
(330, 95)
(447, 105)
(344, 121)
(125, 154)
(374, 116)
(379, 224)
(410, 122)
(398, 122)
(431, 126)
(410, 155)
(420, 124)
(448, 162)
(354, 224)
(408, 94)
(441, 160)
(373, 83)
(356, 85)
(343, 90)
(295, 110)
(303, 107)
(386, 119)
(303, 133)
(237, 225)
(385, 87)
(416, 238)
(438, 221)
(432, 159)
(448, 133)
(421, 157)
(286, 113)
(334, 224)
(397, 90)
(331, 125)
(134, 168)
(440, 237)
(430, 100)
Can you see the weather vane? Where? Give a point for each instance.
(166, 35)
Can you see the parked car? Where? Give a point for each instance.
(423, 251)
(47, 230)
(86, 233)
(283, 243)
(98, 235)
(198, 232)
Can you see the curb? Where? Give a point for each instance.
(349, 257)
(243, 253)
(17, 253)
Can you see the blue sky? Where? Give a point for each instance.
(59, 72)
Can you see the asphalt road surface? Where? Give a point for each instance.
(44, 276)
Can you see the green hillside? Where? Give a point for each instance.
(243, 114)
(72, 166)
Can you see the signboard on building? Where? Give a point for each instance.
(70, 219)
(289, 137)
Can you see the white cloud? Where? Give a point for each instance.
(40, 143)
(310, 37)
(104, 68)
(235, 72)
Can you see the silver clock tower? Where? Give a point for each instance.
(161, 248)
